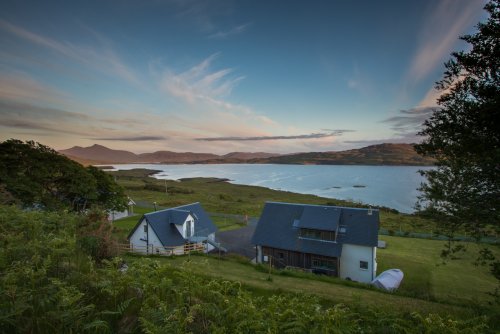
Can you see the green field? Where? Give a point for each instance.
(224, 197)
(457, 287)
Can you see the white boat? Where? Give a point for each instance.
(388, 280)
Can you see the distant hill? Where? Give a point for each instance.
(383, 154)
(98, 154)
(175, 157)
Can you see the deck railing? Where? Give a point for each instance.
(161, 250)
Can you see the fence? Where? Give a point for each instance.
(167, 251)
(435, 236)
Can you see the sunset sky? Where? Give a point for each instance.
(222, 76)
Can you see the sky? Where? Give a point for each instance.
(224, 76)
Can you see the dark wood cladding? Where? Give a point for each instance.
(282, 258)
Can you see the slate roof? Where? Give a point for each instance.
(163, 223)
(177, 217)
(276, 227)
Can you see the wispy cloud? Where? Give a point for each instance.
(409, 122)
(199, 83)
(231, 32)
(21, 87)
(307, 136)
(26, 116)
(104, 60)
(136, 138)
(206, 89)
(435, 42)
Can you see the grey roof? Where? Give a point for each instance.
(317, 217)
(276, 227)
(178, 217)
(163, 223)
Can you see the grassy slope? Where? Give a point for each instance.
(330, 289)
(458, 282)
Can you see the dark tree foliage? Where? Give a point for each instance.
(463, 135)
(37, 176)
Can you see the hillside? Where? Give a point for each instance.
(383, 154)
(99, 153)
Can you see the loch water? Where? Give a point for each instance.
(390, 186)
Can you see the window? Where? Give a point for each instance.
(189, 225)
(145, 228)
(363, 265)
(324, 263)
(281, 256)
(317, 234)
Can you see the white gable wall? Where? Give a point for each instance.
(138, 241)
(187, 226)
(350, 263)
(139, 237)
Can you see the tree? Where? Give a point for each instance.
(463, 135)
(37, 176)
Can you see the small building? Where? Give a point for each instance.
(335, 241)
(129, 211)
(174, 231)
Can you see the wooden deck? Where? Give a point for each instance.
(166, 251)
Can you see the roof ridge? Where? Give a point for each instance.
(321, 206)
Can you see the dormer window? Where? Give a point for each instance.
(190, 228)
(308, 233)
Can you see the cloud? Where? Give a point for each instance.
(228, 33)
(435, 42)
(137, 138)
(308, 136)
(104, 60)
(410, 121)
(21, 87)
(199, 83)
(205, 89)
(408, 139)
(29, 117)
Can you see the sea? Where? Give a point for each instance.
(395, 187)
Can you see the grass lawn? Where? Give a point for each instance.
(426, 276)
(331, 290)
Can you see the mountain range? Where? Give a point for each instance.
(382, 154)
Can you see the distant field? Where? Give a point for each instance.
(223, 197)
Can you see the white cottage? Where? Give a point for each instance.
(330, 240)
(129, 211)
(174, 231)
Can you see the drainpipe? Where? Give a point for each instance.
(373, 265)
(147, 237)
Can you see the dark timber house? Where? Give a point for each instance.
(335, 241)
